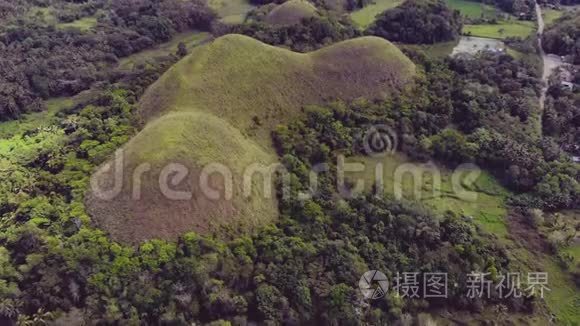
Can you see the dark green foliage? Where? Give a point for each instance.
(516, 7)
(181, 50)
(42, 61)
(311, 34)
(418, 22)
(563, 38)
(562, 116)
(302, 270)
(305, 268)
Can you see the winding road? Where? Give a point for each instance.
(546, 70)
(550, 61)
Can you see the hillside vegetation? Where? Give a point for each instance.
(249, 86)
(194, 140)
(188, 231)
(248, 83)
(418, 22)
(65, 48)
(563, 38)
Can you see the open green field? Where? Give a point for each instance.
(46, 16)
(564, 297)
(191, 39)
(35, 120)
(574, 251)
(487, 207)
(228, 96)
(231, 11)
(366, 16)
(571, 220)
(551, 15)
(434, 51)
(503, 29)
(473, 9)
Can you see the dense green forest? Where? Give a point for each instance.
(41, 60)
(57, 265)
(418, 22)
(562, 38)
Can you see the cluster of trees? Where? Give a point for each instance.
(563, 38)
(562, 116)
(311, 34)
(302, 270)
(418, 22)
(491, 95)
(305, 268)
(46, 172)
(494, 85)
(12, 8)
(40, 61)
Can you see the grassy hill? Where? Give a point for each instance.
(219, 104)
(193, 140)
(255, 86)
(291, 12)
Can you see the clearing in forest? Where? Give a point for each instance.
(551, 15)
(472, 9)
(502, 30)
(487, 207)
(367, 15)
(190, 39)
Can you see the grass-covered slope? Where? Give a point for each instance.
(193, 140)
(291, 12)
(219, 105)
(487, 207)
(243, 80)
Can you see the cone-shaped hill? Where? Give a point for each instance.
(217, 107)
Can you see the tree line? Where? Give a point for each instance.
(418, 22)
(563, 38)
(40, 61)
